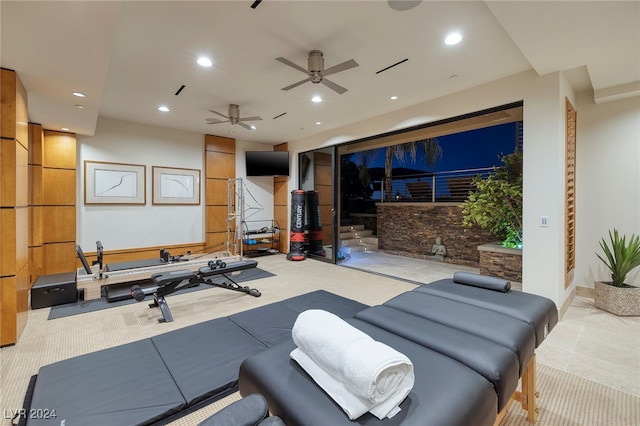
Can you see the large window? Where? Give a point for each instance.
(435, 163)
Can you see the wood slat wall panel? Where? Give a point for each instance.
(323, 183)
(22, 237)
(216, 218)
(59, 151)
(59, 257)
(9, 173)
(216, 241)
(570, 213)
(36, 254)
(59, 201)
(36, 199)
(220, 166)
(8, 310)
(219, 144)
(216, 192)
(59, 187)
(59, 224)
(8, 82)
(281, 195)
(15, 212)
(8, 241)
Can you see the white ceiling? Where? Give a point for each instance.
(129, 57)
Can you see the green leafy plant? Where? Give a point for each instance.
(496, 202)
(619, 257)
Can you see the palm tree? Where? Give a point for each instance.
(432, 152)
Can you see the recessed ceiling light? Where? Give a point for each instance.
(318, 122)
(79, 94)
(393, 98)
(253, 127)
(204, 62)
(64, 129)
(316, 99)
(453, 38)
(79, 106)
(163, 108)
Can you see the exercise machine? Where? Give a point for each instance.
(166, 283)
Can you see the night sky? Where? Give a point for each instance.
(466, 150)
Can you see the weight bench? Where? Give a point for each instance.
(166, 283)
(471, 339)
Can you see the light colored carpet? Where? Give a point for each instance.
(564, 399)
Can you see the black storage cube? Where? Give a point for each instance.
(54, 289)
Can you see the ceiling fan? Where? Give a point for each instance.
(233, 117)
(317, 72)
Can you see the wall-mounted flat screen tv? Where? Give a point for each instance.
(267, 163)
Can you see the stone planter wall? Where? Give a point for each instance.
(503, 262)
(410, 229)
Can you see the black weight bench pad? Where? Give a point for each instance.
(494, 362)
(445, 392)
(513, 334)
(540, 312)
(204, 358)
(272, 324)
(124, 385)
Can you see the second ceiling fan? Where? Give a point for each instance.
(316, 71)
(233, 117)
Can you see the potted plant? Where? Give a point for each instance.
(620, 257)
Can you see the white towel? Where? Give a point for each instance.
(358, 373)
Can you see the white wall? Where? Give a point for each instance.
(119, 227)
(607, 181)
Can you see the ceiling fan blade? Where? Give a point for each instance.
(216, 112)
(250, 119)
(292, 65)
(333, 86)
(246, 126)
(340, 67)
(296, 84)
(214, 121)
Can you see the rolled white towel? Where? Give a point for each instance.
(358, 373)
(377, 372)
(324, 337)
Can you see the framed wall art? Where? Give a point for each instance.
(114, 183)
(176, 186)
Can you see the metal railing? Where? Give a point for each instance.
(445, 186)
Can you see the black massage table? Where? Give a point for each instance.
(470, 346)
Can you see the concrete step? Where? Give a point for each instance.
(359, 244)
(370, 242)
(355, 234)
(348, 228)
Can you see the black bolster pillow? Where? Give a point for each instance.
(482, 281)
